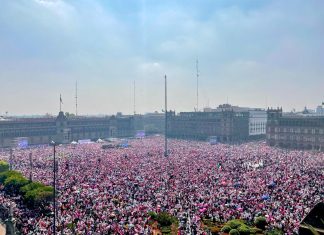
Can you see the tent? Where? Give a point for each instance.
(100, 141)
(74, 142)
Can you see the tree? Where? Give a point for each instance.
(260, 222)
(234, 232)
(6, 174)
(13, 184)
(31, 186)
(38, 194)
(4, 166)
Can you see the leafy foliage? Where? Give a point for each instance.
(31, 186)
(226, 229)
(260, 222)
(214, 230)
(39, 195)
(275, 232)
(164, 219)
(244, 230)
(235, 223)
(152, 214)
(6, 174)
(4, 166)
(33, 193)
(13, 183)
(166, 230)
(234, 232)
(255, 230)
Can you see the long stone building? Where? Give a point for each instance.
(297, 131)
(226, 126)
(63, 129)
(226, 123)
(151, 123)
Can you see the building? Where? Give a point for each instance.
(226, 123)
(257, 119)
(297, 131)
(320, 110)
(63, 129)
(257, 123)
(151, 123)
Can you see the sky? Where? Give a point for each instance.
(252, 53)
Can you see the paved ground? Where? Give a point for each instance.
(2, 230)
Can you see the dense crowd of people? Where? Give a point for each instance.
(111, 191)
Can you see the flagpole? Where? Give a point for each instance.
(166, 119)
(60, 103)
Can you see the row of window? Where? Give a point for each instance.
(257, 130)
(296, 137)
(299, 130)
(29, 133)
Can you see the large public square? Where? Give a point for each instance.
(111, 191)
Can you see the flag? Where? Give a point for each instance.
(61, 99)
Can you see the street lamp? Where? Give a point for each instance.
(54, 187)
(166, 118)
(10, 159)
(30, 167)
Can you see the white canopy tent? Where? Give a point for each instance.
(100, 141)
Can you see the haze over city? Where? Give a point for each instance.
(255, 53)
(148, 117)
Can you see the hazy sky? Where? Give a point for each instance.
(255, 52)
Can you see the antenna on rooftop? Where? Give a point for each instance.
(134, 98)
(76, 98)
(166, 117)
(197, 68)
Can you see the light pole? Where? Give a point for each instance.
(54, 187)
(30, 167)
(10, 159)
(166, 118)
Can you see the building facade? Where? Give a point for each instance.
(320, 110)
(257, 118)
(223, 126)
(63, 129)
(295, 131)
(151, 123)
(226, 123)
(257, 122)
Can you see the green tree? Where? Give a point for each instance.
(244, 230)
(164, 219)
(4, 166)
(31, 186)
(235, 223)
(6, 174)
(38, 196)
(13, 184)
(234, 232)
(226, 229)
(260, 222)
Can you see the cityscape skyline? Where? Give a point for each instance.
(257, 54)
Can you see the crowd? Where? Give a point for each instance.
(110, 191)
